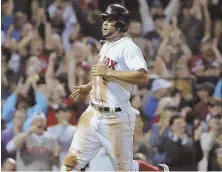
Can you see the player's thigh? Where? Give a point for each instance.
(85, 144)
(117, 138)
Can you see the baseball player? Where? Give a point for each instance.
(109, 120)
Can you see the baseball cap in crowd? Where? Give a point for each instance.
(206, 86)
(160, 83)
(39, 115)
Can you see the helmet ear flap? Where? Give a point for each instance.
(121, 26)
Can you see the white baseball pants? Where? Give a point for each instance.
(113, 131)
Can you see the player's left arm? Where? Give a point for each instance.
(137, 77)
(133, 58)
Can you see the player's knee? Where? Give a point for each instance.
(70, 161)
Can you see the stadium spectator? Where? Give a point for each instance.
(19, 100)
(182, 152)
(9, 133)
(160, 134)
(147, 12)
(63, 131)
(206, 66)
(9, 165)
(155, 36)
(159, 89)
(214, 156)
(36, 149)
(135, 33)
(207, 141)
(204, 92)
(214, 108)
(63, 11)
(218, 164)
(7, 13)
(218, 90)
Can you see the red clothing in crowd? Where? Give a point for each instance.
(51, 115)
(196, 63)
(201, 109)
(44, 62)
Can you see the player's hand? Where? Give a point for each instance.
(100, 69)
(80, 90)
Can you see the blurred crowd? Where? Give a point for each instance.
(49, 46)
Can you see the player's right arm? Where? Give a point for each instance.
(81, 90)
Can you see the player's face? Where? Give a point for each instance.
(108, 27)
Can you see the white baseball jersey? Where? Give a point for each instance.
(110, 130)
(121, 55)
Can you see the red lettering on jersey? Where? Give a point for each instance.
(107, 61)
(110, 63)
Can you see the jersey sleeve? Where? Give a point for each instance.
(133, 58)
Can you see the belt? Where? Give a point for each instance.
(105, 109)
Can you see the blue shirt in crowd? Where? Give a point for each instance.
(9, 108)
(218, 90)
(151, 106)
(7, 21)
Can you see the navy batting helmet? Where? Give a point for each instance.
(119, 13)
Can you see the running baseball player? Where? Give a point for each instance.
(109, 120)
